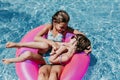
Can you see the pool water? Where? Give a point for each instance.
(98, 19)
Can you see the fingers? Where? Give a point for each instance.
(52, 52)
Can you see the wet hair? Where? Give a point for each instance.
(60, 16)
(82, 42)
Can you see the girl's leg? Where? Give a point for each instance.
(27, 55)
(39, 45)
(44, 72)
(56, 71)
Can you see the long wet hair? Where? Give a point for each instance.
(82, 42)
(60, 16)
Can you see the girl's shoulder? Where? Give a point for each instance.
(74, 31)
(70, 30)
(48, 26)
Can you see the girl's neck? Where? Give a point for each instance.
(54, 32)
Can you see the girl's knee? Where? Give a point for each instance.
(44, 72)
(45, 45)
(41, 73)
(57, 69)
(44, 69)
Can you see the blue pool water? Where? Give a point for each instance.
(98, 19)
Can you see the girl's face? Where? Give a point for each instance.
(73, 40)
(60, 27)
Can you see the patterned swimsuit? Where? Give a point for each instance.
(57, 38)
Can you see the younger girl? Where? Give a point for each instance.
(65, 51)
(78, 43)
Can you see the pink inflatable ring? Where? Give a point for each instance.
(73, 70)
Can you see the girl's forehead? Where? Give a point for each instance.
(62, 23)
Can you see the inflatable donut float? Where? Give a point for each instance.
(75, 69)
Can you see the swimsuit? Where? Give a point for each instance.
(46, 57)
(57, 38)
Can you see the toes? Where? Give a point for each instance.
(5, 61)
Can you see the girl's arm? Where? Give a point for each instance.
(60, 50)
(61, 56)
(38, 45)
(54, 58)
(44, 31)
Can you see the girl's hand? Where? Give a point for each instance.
(54, 45)
(52, 52)
(88, 51)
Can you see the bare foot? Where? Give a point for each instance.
(10, 44)
(6, 61)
